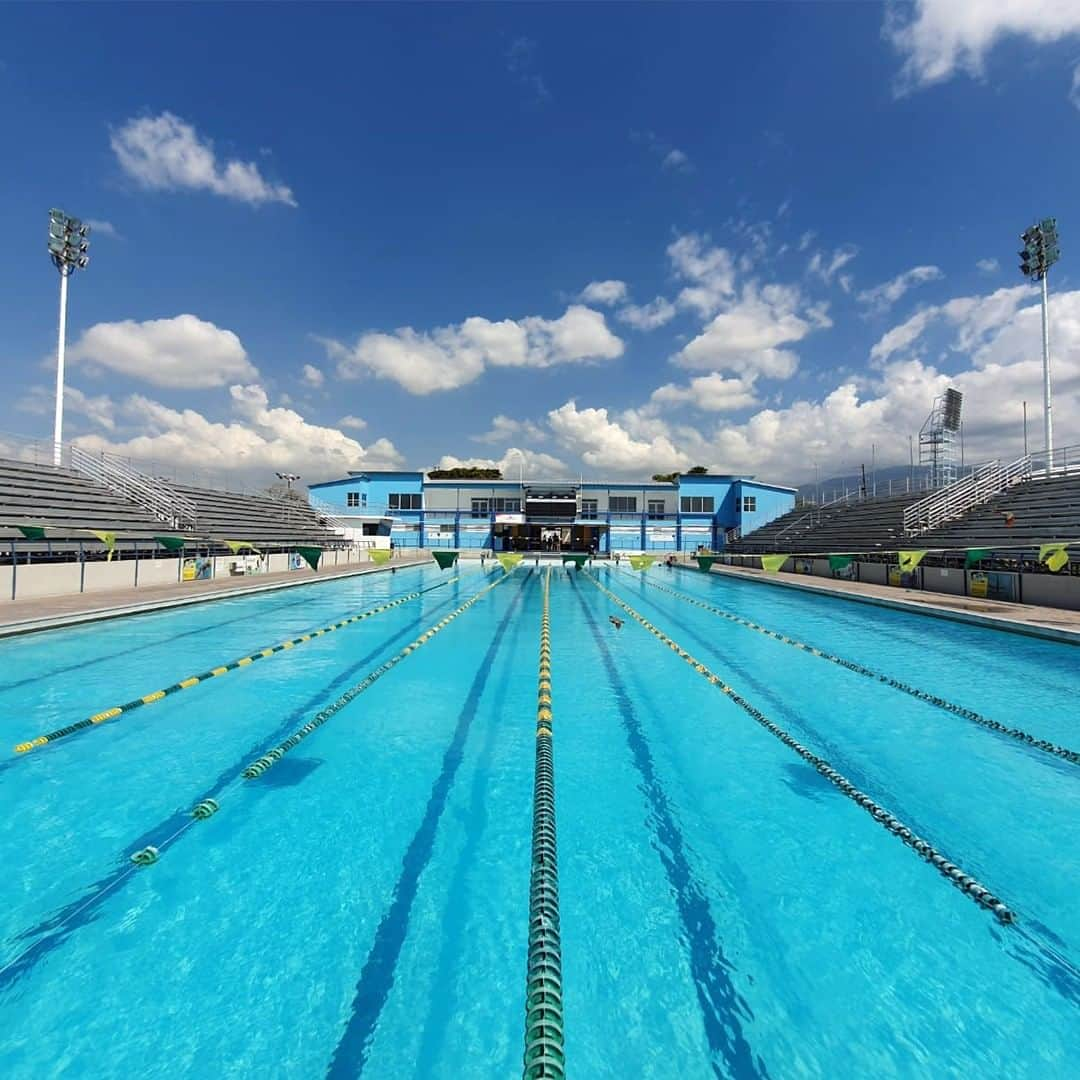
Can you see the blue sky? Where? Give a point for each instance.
(621, 239)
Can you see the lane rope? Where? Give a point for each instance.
(948, 706)
(217, 672)
(968, 885)
(544, 1053)
(272, 757)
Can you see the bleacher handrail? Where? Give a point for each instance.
(152, 494)
(955, 499)
(330, 513)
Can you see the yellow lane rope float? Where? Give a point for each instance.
(217, 672)
(952, 873)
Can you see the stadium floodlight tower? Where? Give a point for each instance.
(938, 438)
(1039, 254)
(68, 245)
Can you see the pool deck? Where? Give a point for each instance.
(50, 612)
(1059, 624)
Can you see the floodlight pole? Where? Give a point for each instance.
(1048, 403)
(58, 422)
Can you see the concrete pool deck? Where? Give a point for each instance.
(1058, 624)
(50, 612)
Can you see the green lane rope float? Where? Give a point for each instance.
(271, 757)
(952, 873)
(931, 699)
(213, 673)
(207, 808)
(146, 857)
(544, 1055)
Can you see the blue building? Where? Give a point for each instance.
(413, 510)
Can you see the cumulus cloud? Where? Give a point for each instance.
(312, 376)
(882, 297)
(537, 464)
(676, 161)
(181, 352)
(749, 335)
(938, 38)
(709, 270)
(453, 356)
(504, 428)
(353, 422)
(710, 393)
(256, 442)
(611, 447)
(98, 409)
(988, 266)
(603, 292)
(649, 316)
(165, 153)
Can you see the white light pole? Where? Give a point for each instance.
(1039, 254)
(68, 244)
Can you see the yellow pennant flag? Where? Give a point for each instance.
(772, 563)
(380, 556)
(509, 560)
(1053, 556)
(236, 546)
(109, 540)
(910, 559)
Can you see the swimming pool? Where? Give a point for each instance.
(361, 905)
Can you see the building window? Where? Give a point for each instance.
(588, 509)
(403, 501)
(352, 498)
(623, 504)
(696, 504)
(749, 504)
(656, 508)
(480, 508)
(506, 506)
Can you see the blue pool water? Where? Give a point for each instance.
(362, 907)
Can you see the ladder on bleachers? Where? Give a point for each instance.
(152, 494)
(955, 499)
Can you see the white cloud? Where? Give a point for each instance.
(101, 228)
(827, 266)
(353, 422)
(312, 375)
(942, 37)
(165, 153)
(537, 464)
(521, 63)
(973, 316)
(676, 161)
(610, 447)
(710, 393)
(1074, 90)
(807, 239)
(603, 292)
(39, 401)
(453, 356)
(710, 271)
(504, 428)
(882, 297)
(183, 351)
(256, 442)
(672, 159)
(748, 337)
(647, 316)
(988, 266)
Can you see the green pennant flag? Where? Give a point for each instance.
(1053, 556)
(910, 559)
(236, 546)
(32, 532)
(838, 562)
(974, 556)
(380, 556)
(772, 563)
(445, 559)
(509, 560)
(171, 543)
(705, 561)
(641, 562)
(310, 555)
(577, 560)
(108, 539)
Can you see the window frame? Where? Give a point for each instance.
(629, 500)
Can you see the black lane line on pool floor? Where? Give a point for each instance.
(921, 695)
(57, 928)
(722, 1007)
(965, 883)
(377, 975)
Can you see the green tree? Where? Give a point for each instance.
(698, 470)
(665, 477)
(465, 472)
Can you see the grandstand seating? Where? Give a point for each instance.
(1042, 510)
(67, 503)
